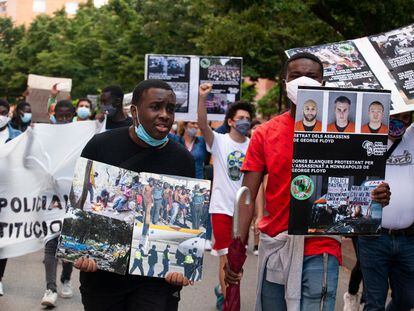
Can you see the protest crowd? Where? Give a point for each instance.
(295, 272)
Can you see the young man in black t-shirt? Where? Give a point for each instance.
(112, 104)
(143, 147)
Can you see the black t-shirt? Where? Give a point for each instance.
(117, 148)
(110, 124)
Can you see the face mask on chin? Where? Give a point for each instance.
(147, 138)
(292, 86)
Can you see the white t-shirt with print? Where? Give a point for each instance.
(399, 174)
(228, 156)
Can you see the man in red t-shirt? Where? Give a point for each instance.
(271, 151)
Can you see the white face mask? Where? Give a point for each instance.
(292, 86)
(3, 121)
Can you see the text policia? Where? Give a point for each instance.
(30, 205)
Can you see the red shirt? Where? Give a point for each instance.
(271, 151)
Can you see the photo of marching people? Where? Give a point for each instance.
(104, 239)
(343, 205)
(169, 235)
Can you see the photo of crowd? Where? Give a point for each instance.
(223, 73)
(104, 239)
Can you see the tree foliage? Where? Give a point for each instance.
(105, 46)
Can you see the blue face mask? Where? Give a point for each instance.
(26, 117)
(396, 128)
(147, 138)
(83, 112)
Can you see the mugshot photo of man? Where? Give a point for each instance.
(309, 123)
(376, 116)
(342, 121)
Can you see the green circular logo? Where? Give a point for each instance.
(204, 63)
(346, 49)
(302, 187)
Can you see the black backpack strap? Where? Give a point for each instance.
(393, 147)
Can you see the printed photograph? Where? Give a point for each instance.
(309, 111)
(181, 95)
(104, 239)
(343, 64)
(395, 43)
(216, 70)
(375, 108)
(217, 103)
(168, 68)
(344, 206)
(342, 111)
(106, 190)
(169, 233)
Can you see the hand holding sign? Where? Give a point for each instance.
(54, 91)
(177, 279)
(382, 194)
(205, 89)
(86, 264)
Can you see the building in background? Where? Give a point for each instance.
(24, 11)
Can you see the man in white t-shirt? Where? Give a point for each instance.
(228, 151)
(388, 259)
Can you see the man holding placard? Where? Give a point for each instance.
(313, 281)
(143, 147)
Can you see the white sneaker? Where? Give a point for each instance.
(49, 299)
(1, 289)
(207, 245)
(66, 290)
(351, 302)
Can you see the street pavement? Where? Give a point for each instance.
(24, 286)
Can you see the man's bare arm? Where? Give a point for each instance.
(251, 180)
(208, 134)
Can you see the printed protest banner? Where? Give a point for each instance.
(39, 91)
(167, 213)
(36, 171)
(340, 146)
(184, 73)
(383, 61)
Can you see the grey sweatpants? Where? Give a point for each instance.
(51, 261)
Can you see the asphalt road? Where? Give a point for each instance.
(24, 286)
